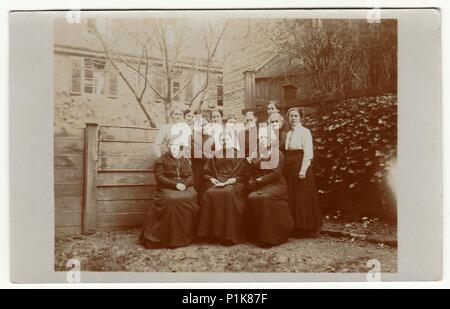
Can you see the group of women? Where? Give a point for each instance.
(229, 199)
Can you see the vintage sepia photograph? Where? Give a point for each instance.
(207, 144)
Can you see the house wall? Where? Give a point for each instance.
(247, 46)
(75, 40)
(74, 110)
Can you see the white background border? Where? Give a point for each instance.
(4, 215)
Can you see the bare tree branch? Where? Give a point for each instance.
(209, 60)
(121, 74)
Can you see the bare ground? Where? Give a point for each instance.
(120, 251)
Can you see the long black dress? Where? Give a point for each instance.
(223, 213)
(246, 146)
(282, 139)
(270, 217)
(198, 161)
(171, 222)
(303, 199)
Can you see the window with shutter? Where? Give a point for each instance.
(94, 75)
(77, 79)
(112, 83)
(88, 75)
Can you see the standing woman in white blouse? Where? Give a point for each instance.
(176, 128)
(303, 199)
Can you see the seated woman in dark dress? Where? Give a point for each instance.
(171, 222)
(223, 212)
(270, 217)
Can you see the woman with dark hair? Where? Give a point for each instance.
(303, 199)
(215, 127)
(217, 116)
(188, 116)
(270, 217)
(171, 222)
(230, 118)
(223, 212)
(273, 107)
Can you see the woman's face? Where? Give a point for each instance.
(204, 121)
(189, 117)
(231, 121)
(177, 115)
(272, 109)
(276, 123)
(264, 141)
(175, 150)
(216, 117)
(294, 118)
(250, 120)
(226, 140)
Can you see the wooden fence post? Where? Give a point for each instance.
(90, 179)
(250, 89)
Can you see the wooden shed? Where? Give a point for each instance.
(277, 79)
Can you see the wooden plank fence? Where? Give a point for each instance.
(105, 174)
(68, 180)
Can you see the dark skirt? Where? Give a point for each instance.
(171, 222)
(270, 218)
(199, 182)
(303, 199)
(222, 216)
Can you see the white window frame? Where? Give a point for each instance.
(83, 65)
